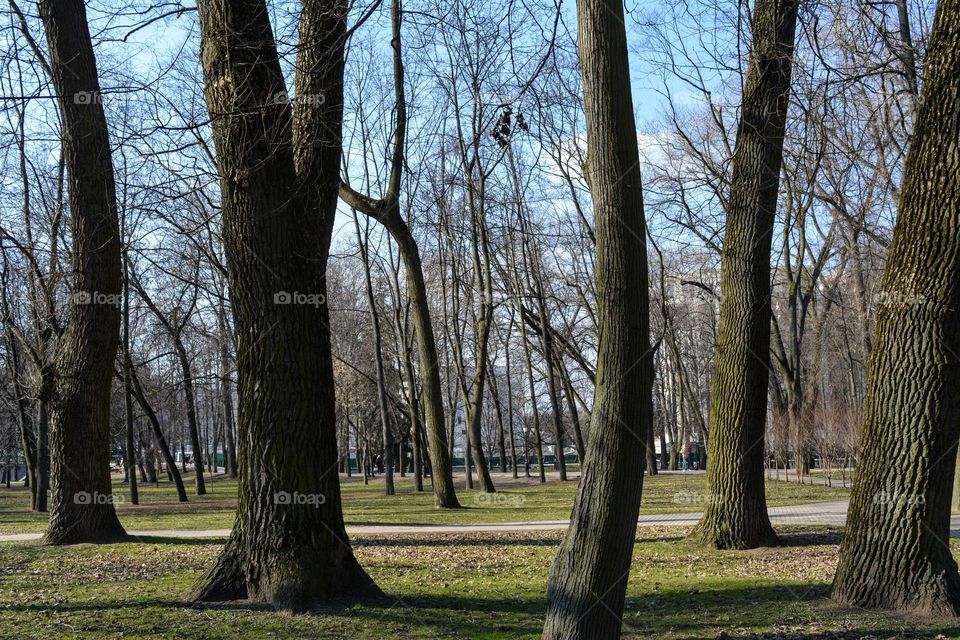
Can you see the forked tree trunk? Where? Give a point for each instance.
(736, 511)
(279, 169)
(895, 552)
(387, 212)
(588, 578)
(81, 503)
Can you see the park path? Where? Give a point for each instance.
(819, 513)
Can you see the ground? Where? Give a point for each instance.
(517, 500)
(462, 585)
(452, 586)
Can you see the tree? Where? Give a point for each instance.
(588, 578)
(279, 173)
(736, 513)
(174, 322)
(81, 504)
(895, 553)
(387, 211)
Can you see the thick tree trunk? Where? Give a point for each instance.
(895, 552)
(78, 396)
(736, 512)
(588, 578)
(279, 169)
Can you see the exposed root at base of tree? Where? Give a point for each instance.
(86, 534)
(718, 535)
(287, 581)
(936, 595)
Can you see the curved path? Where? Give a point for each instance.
(818, 513)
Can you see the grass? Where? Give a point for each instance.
(524, 500)
(479, 586)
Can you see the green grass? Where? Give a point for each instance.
(517, 501)
(478, 586)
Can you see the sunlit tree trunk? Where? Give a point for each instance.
(896, 549)
(78, 395)
(279, 168)
(588, 578)
(736, 511)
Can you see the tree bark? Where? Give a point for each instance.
(895, 552)
(588, 578)
(736, 511)
(279, 168)
(226, 391)
(78, 396)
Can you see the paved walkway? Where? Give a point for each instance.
(823, 513)
(818, 513)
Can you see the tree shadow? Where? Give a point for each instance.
(466, 539)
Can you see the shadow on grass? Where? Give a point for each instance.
(184, 541)
(465, 539)
(810, 538)
(700, 613)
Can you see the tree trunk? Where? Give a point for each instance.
(172, 470)
(193, 424)
(895, 552)
(588, 578)
(387, 434)
(226, 391)
(127, 392)
(81, 508)
(736, 512)
(279, 169)
(441, 466)
(387, 212)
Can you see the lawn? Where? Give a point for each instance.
(449, 586)
(523, 500)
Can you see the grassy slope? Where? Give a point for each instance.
(366, 504)
(454, 586)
